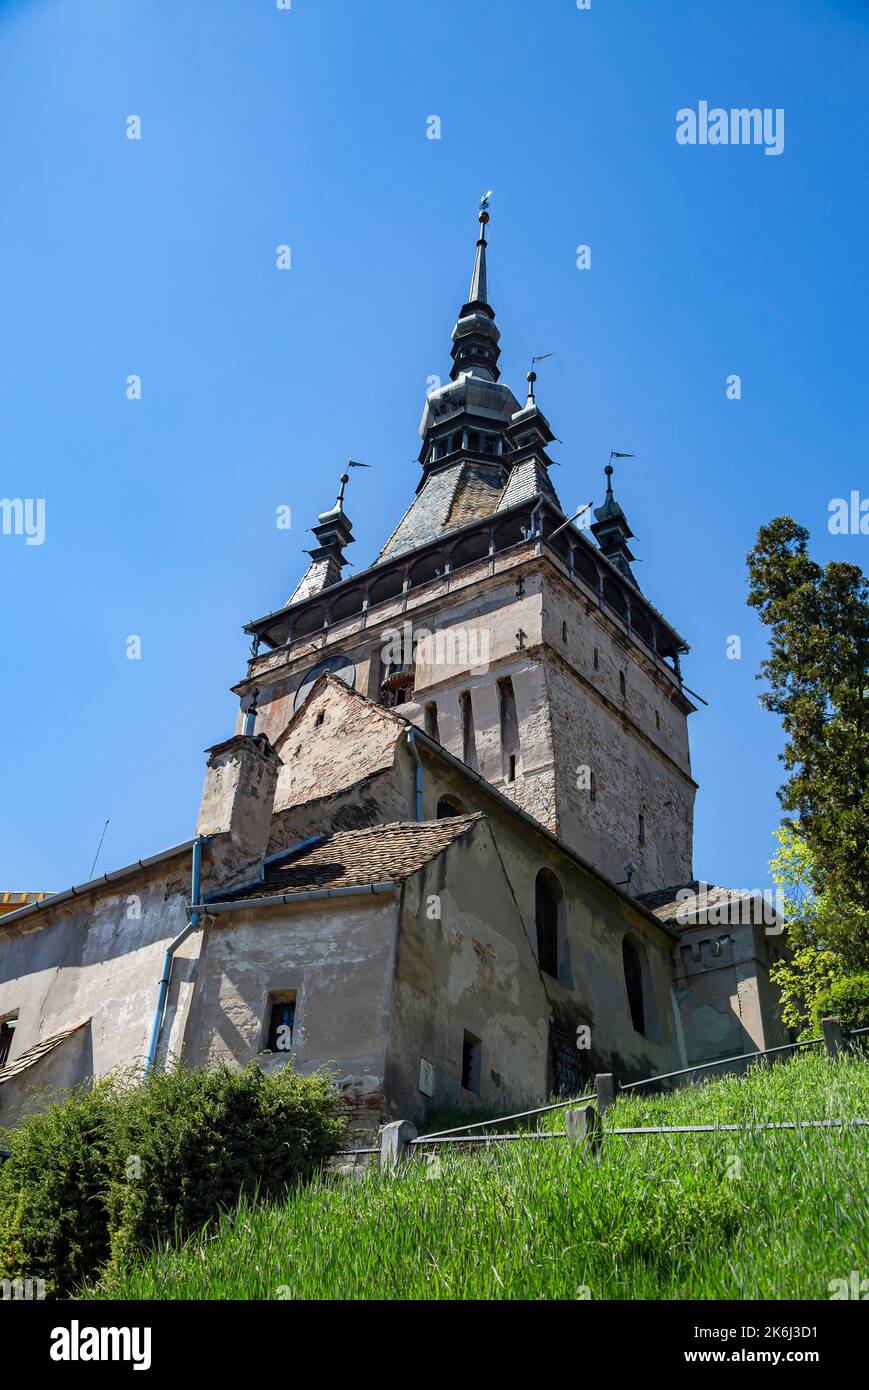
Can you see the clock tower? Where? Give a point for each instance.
(515, 636)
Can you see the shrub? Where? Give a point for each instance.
(113, 1171)
(199, 1139)
(52, 1192)
(846, 998)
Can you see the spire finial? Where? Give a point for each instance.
(531, 376)
(479, 291)
(614, 454)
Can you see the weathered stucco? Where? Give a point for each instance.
(338, 958)
(99, 958)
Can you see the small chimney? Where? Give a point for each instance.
(238, 799)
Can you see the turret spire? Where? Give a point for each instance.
(333, 533)
(611, 528)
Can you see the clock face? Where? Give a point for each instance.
(340, 666)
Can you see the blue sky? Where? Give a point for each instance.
(307, 127)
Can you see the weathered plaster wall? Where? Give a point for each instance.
(650, 690)
(727, 1003)
(635, 743)
(99, 957)
(465, 963)
(331, 744)
(592, 990)
(534, 785)
(630, 780)
(336, 954)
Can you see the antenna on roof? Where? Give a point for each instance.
(99, 847)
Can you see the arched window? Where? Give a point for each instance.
(633, 967)
(449, 806)
(548, 899)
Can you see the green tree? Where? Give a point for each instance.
(816, 672)
(810, 967)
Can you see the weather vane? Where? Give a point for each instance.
(345, 478)
(541, 357)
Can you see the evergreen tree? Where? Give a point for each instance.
(818, 622)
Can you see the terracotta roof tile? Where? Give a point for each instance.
(356, 858)
(38, 1050)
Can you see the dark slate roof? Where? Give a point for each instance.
(476, 495)
(697, 898)
(452, 497)
(39, 1050)
(356, 858)
(320, 574)
(425, 517)
(526, 480)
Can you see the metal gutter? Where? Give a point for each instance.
(411, 743)
(309, 895)
(166, 973)
(79, 889)
(515, 810)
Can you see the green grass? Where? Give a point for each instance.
(772, 1214)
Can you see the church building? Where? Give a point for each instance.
(447, 851)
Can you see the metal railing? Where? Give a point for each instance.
(604, 1094)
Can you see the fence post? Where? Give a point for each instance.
(833, 1039)
(604, 1087)
(583, 1127)
(394, 1139)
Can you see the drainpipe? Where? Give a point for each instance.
(166, 973)
(411, 743)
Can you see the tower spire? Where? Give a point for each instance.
(479, 291)
(475, 350)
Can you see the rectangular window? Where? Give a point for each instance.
(431, 721)
(7, 1033)
(469, 742)
(509, 729)
(472, 1058)
(282, 1020)
(642, 829)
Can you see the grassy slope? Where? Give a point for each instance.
(768, 1215)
